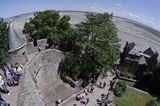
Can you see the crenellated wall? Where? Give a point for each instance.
(33, 49)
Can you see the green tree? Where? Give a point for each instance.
(95, 47)
(49, 24)
(150, 80)
(4, 55)
(119, 89)
(155, 79)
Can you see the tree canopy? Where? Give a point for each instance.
(95, 47)
(49, 24)
(4, 55)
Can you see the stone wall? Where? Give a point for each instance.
(29, 95)
(46, 63)
(41, 84)
(33, 49)
(19, 56)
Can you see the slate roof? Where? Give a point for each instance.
(142, 60)
(142, 52)
(131, 46)
(15, 40)
(149, 52)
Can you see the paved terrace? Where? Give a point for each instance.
(93, 96)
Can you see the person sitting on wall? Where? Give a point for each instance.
(14, 76)
(3, 86)
(8, 76)
(3, 102)
(19, 70)
(78, 97)
(16, 73)
(58, 102)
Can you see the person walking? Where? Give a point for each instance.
(104, 84)
(92, 88)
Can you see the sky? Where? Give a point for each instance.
(144, 11)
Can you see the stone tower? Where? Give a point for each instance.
(17, 46)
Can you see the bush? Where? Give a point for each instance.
(68, 80)
(84, 84)
(151, 103)
(125, 73)
(119, 89)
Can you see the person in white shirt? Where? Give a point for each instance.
(19, 68)
(3, 86)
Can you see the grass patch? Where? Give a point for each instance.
(133, 98)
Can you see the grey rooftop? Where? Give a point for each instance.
(15, 40)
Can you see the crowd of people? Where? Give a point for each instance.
(9, 77)
(102, 84)
(104, 101)
(82, 96)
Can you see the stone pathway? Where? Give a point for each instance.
(93, 96)
(14, 91)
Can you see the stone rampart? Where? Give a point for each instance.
(41, 84)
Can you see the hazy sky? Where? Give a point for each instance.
(145, 11)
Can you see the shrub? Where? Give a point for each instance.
(125, 73)
(151, 103)
(119, 89)
(84, 84)
(68, 80)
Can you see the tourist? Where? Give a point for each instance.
(87, 101)
(18, 71)
(85, 91)
(3, 102)
(109, 101)
(100, 84)
(1, 71)
(92, 88)
(93, 81)
(8, 76)
(19, 68)
(82, 95)
(78, 97)
(113, 72)
(15, 77)
(3, 86)
(58, 102)
(89, 89)
(104, 84)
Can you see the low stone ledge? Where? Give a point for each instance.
(127, 79)
(29, 95)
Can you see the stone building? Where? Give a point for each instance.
(136, 59)
(17, 46)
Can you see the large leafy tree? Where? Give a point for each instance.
(49, 24)
(150, 80)
(95, 47)
(154, 80)
(4, 55)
